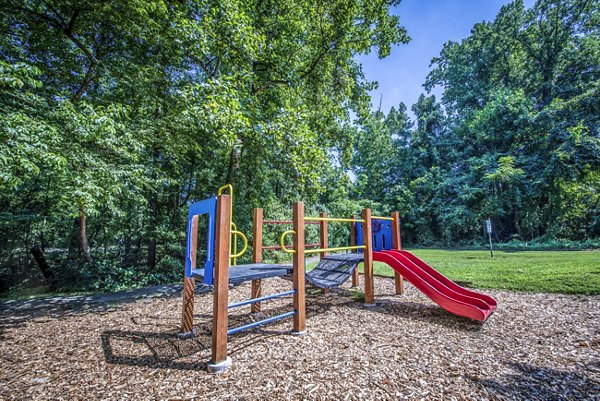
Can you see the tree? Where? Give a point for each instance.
(118, 114)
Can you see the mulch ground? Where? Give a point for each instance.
(534, 347)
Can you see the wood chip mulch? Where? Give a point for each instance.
(534, 347)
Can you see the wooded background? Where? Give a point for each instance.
(115, 116)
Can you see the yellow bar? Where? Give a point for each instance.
(244, 239)
(224, 187)
(233, 253)
(333, 219)
(233, 250)
(382, 218)
(343, 248)
(282, 241)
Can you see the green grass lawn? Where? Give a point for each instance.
(568, 272)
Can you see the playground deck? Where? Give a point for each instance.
(535, 346)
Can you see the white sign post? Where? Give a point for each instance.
(488, 226)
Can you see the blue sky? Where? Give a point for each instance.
(430, 23)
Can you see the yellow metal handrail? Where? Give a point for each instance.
(224, 187)
(235, 233)
(219, 192)
(282, 241)
(308, 251)
(341, 248)
(233, 253)
(382, 218)
(334, 219)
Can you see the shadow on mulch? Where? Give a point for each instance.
(14, 314)
(12, 319)
(165, 350)
(428, 313)
(540, 383)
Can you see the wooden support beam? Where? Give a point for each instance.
(324, 238)
(257, 241)
(396, 231)
(298, 273)
(397, 244)
(368, 260)
(221, 280)
(324, 243)
(355, 281)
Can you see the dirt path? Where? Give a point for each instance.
(75, 301)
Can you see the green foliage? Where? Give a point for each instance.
(515, 137)
(358, 296)
(115, 116)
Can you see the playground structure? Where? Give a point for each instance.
(375, 238)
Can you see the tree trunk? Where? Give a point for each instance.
(151, 260)
(234, 163)
(83, 240)
(89, 75)
(74, 240)
(151, 257)
(42, 263)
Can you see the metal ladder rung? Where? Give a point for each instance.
(265, 298)
(260, 322)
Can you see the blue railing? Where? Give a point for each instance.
(265, 298)
(260, 322)
(265, 321)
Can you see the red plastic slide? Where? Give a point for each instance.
(441, 290)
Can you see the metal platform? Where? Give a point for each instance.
(334, 270)
(241, 273)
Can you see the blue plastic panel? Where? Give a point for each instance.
(382, 234)
(208, 207)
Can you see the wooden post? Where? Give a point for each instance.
(324, 243)
(324, 238)
(189, 285)
(398, 279)
(368, 261)
(257, 241)
(353, 243)
(221, 283)
(298, 262)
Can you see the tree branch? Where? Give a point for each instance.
(72, 20)
(59, 23)
(86, 82)
(317, 60)
(205, 66)
(269, 84)
(303, 73)
(55, 23)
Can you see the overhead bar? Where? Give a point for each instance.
(342, 248)
(334, 219)
(285, 222)
(382, 218)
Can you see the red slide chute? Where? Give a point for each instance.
(441, 290)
